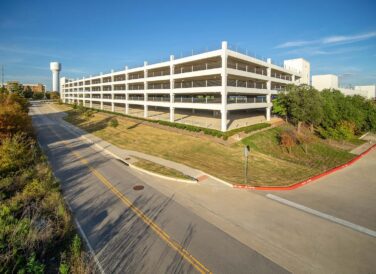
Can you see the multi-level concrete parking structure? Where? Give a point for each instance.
(220, 89)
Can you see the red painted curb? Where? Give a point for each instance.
(302, 183)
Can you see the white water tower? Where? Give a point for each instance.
(55, 68)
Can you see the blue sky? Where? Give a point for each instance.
(89, 37)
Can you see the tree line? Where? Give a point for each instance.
(328, 113)
(27, 92)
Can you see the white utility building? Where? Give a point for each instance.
(55, 68)
(301, 65)
(330, 81)
(221, 89)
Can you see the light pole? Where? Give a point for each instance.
(247, 150)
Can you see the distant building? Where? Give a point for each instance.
(330, 81)
(34, 87)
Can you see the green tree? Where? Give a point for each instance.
(302, 104)
(28, 93)
(280, 105)
(15, 87)
(54, 95)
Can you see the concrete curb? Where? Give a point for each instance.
(162, 176)
(302, 183)
(69, 127)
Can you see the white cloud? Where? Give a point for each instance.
(349, 38)
(311, 51)
(329, 40)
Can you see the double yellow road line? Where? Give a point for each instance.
(159, 231)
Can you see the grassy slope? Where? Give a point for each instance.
(224, 162)
(320, 156)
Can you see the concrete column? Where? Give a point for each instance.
(269, 74)
(145, 111)
(268, 110)
(145, 90)
(172, 86)
(126, 78)
(112, 106)
(126, 103)
(223, 120)
(172, 114)
(127, 108)
(224, 87)
(269, 98)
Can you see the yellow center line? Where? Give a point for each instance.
(159, 231)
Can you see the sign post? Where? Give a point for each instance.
(247, 150)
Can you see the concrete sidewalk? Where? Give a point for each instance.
(371, 140)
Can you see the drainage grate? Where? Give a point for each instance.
(138, 187)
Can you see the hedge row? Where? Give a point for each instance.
(207, 131)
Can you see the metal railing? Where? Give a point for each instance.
(281, 76)
(197, 100)
(158, 85)
(245, 84)
(136, 98)
(158, 73)
(119, 87)
(119, 97)
(118, 78)
(198, 83)
(243, 99)
(205, 66)
(248, 68)
(135, 76)
(159, 99)
(136, 87)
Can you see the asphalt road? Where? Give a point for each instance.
(136, 231)
(348, 194)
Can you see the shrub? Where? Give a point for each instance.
(114, 122)
(15, 153)
(287, 139)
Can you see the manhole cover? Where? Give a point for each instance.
(138, 187)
